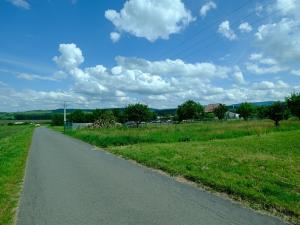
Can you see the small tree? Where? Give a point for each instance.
(220, 111)
(137, 113)
(77, 116)
(293, 104)
(190, 110)
(57, 120)
(276, 112)
(245, 110)
(262, 112)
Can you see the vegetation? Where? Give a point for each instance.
(261, 170)
(293, 103)
(276, 112)
(245, 110)
(14, 145)
(220, 111)
(138, 113)
(190, 110)
(57, 120)
(249, 160)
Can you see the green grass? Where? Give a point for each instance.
(251, 161)
(14, 145)
(203, 131)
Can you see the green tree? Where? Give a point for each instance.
(137, 113)
(77, 116)
(293, 104)
(57, 120)
(276, 112)
(245, 110)
(189, 110)
(220, 111)
(262, 112)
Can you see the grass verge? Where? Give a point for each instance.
(14, 145)
(251, 161)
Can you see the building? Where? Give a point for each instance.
(211, 107)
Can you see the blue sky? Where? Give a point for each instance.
(102, 53)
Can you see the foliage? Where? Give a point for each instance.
(57, 120)
(14, 146)
(262, 112)
(220, 111)
(245, 110)
(105, 118)
(138, 113)
(276, 112)
(261, 170)
(78, 116)
(293, 103)
(190, 110)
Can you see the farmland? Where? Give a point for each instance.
(14, 146)
(251, 161)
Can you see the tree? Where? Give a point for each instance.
(77, 116)
(137, 113)
(293, 104)
(57, 120)
(276, 112)
(220, 111)
(262, 112)
(190, 110)
(245, 110)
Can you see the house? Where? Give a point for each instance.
(232, 115)
(211, 107)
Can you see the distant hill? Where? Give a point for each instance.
(267, 103)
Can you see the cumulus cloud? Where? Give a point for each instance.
(207, 7)
(70, 58)
(20, 3)
(286, 6)
(151, 19)
(238, 75)
(115, 37)
(245, 27)
(225, 30)
(281, 40)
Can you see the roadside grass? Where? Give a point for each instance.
(263, 170)
(202, 131)
(14, 145)
(251, 161)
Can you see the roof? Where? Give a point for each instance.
(211, 107)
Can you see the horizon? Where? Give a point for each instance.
(108, 54)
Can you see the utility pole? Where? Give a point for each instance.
(65, 116)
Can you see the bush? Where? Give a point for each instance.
(293, 104)
(190, 110)
(245, 110)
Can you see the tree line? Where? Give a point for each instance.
(189, 110)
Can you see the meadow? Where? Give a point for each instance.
(14, 146)
(251, 161)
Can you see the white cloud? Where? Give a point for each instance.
(286, 6)
(281, 40)
(28, 76)
(245, 27)
(115, 37)
(238, 75)
(296, 72)
(268, 85)
(70, 58)
(207, 7)
(151, 19)
(20, 3)
(226, 31)
(260, 69)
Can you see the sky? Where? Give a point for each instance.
(105, 54)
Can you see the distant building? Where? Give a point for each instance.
(232, 115)
(211, 107)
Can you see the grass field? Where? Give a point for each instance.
(251, 161)
(14, 145)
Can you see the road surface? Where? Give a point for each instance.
(68, 182)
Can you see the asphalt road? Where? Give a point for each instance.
(67, 182)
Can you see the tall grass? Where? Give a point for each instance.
(202, 131)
